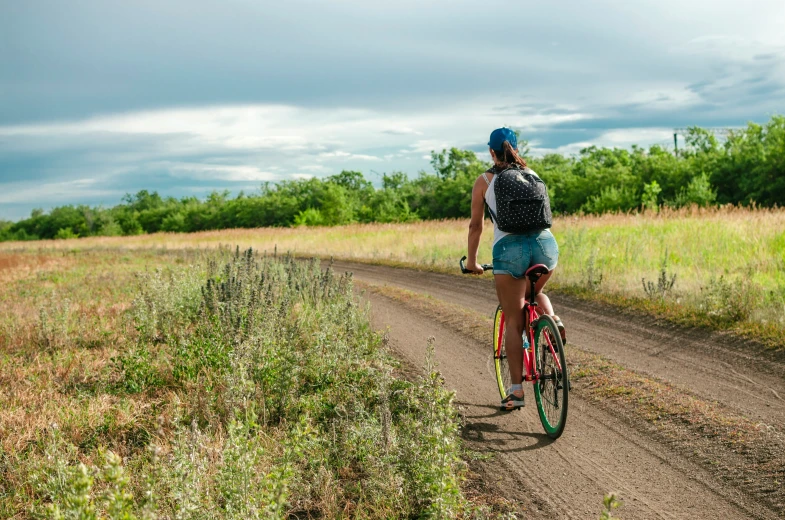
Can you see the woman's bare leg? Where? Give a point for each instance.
(543, 302)
(511, 297)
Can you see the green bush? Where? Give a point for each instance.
(612, 198)
(698, 192)
(64, 233)
(650, 197)
(285, 402)
(309, 217)
(726, 301)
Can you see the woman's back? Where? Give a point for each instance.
(490, 197)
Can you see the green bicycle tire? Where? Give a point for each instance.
(551, 392)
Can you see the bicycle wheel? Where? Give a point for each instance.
(499, 354)
(551, 391)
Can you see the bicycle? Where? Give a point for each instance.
(544, 363)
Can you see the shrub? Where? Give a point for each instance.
(65, 233)
(698, 192)
(726, 301)
(649, 199)
(612, 198)
(592, 278)
(665, 281)
(283, 402)
(309, 217)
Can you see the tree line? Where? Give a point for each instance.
(747, 167)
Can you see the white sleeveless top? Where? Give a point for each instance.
(490, 199)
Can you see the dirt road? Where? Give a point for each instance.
(599, 452)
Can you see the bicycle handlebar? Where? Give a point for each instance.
(485, 267)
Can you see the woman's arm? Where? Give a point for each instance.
(475, 225)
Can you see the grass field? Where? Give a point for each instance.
(130, 367)
(729, 263)
(184, 384)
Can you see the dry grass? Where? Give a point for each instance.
(63, 320)
(608, 254)
(15, 266)
(273, 431)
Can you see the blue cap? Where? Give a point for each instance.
(500, 135)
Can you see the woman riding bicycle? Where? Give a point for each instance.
(513, 253)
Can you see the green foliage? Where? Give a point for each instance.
(71, 489)
(609, 503)
(665, 281)
(285, 402)
(612, 198)
(139, 368)
(166, 302)
(749, 167)
(651, 192)
(309, 217)
(698, 192)
(725, 301)
(431, 462)
(592, 278)
(65, 233)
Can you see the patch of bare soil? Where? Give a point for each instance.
(670, 452)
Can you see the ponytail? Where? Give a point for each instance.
(509, 155)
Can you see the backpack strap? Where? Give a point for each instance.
(490, 211)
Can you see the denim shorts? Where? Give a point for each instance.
(514, 254)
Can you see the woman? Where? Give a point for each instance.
(513, 254)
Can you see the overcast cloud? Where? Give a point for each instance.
(100, 98)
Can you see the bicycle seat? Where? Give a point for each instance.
(534, 272)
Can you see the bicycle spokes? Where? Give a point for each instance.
(552, 385)
(544, 365)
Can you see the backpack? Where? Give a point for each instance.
(522, 202)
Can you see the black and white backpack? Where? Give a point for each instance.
(522, 202)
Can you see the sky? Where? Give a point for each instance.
(99, 98)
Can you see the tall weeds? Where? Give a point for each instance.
(282, 401)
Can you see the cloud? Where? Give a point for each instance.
(428, 145)
(340, 154)
(229, 96)
(219, 172)
(617, 138)
(401, 131)
(57, 192)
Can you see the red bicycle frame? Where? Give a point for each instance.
(530, 313)
(530, 372)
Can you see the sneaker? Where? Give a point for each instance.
(512, 402)
(562, 332)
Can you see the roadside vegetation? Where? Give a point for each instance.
(745, 169)
(722, 268)
(220, 384)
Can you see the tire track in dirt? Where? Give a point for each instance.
(598, 452)
(568, 477)
(743, 376)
